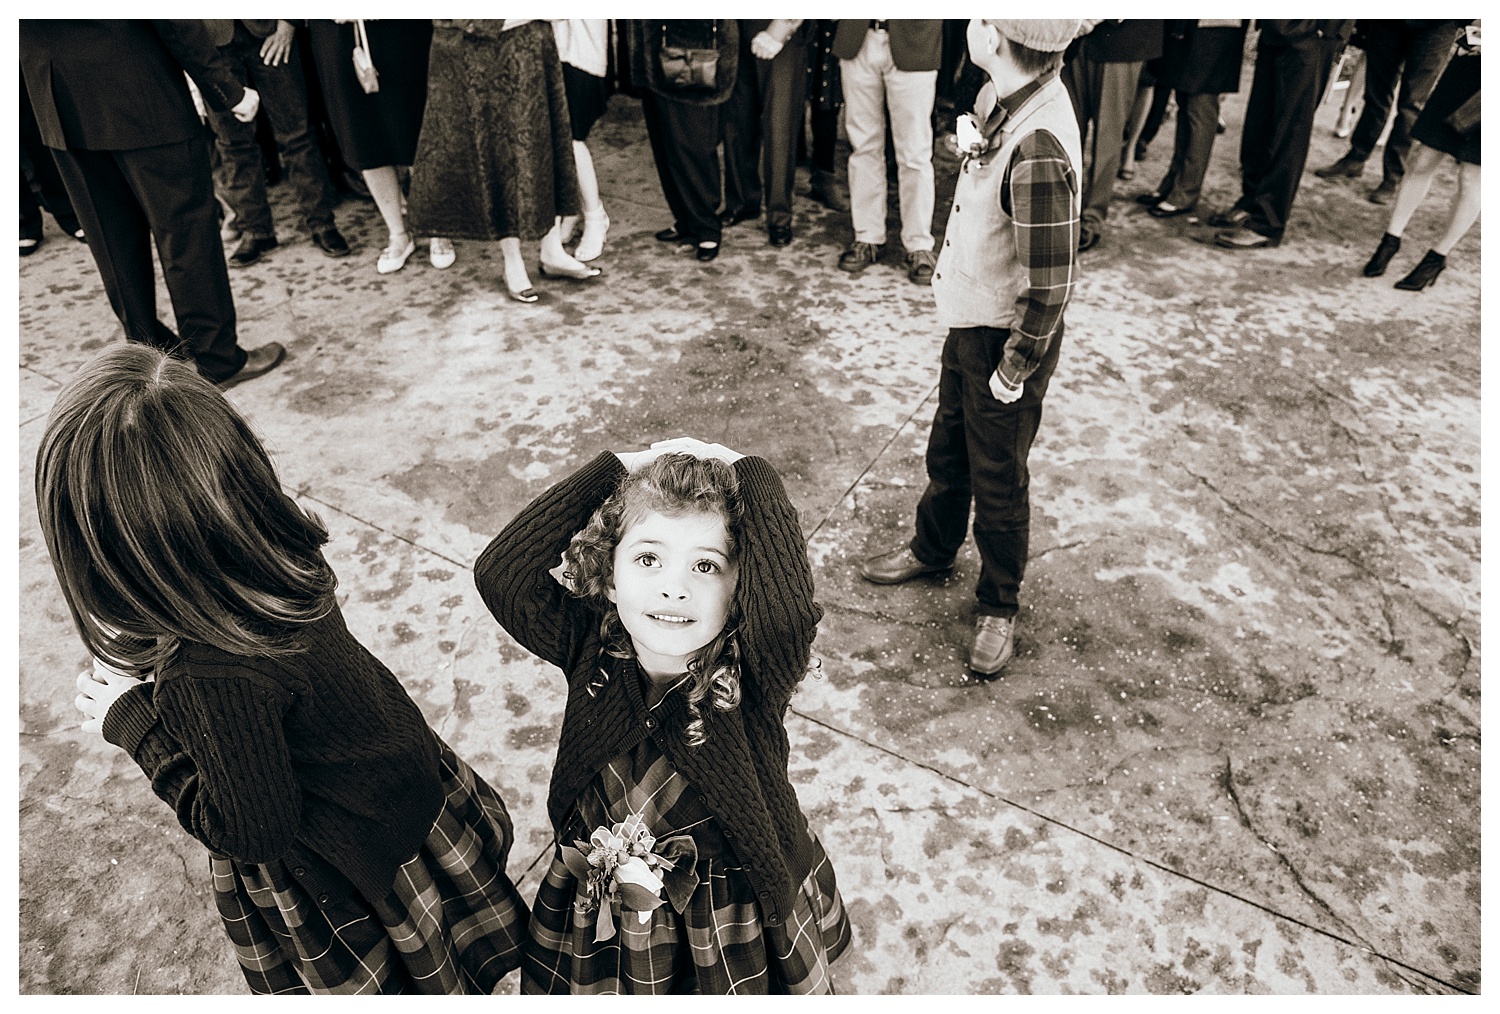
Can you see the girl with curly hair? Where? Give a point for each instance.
(683, 860)
(351, 850)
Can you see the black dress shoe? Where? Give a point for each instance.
(331, 242)
(1383, 253)
(708, 250)
(259, 360)
(780, 235)
(738, 215)
(897, 566)
(1165, 210)
(1088, 238)
(1425, 273)
(1149, 198)
(29, 245)
(1346, 166)
(671, 235)
(250, 249)
(1231, 219)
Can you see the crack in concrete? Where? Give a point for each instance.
(1058, 549)
(876, 615)
(1226, 781)
(1392, 643)
(885, 854)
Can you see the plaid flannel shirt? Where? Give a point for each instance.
(1039, 193)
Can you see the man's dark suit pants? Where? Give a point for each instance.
(125, 199)
(977, 451)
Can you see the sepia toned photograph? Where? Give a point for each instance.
(733, 506)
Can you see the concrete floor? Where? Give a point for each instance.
(1238, 751)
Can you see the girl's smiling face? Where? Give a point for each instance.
(673, 585)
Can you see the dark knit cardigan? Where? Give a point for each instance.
(318, 759)
(741, 770)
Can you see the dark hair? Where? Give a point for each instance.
(674, 484)
(165, 520)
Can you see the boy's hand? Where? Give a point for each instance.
(277, 49)
(248, 106)
(97, 690)
(765, 46)
(1003, 391)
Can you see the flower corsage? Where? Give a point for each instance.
(622, 871)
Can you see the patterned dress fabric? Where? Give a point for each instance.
(452, 922)
(716, 945)
(495, 159)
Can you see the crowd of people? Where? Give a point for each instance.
(353, 850)
(479, 129)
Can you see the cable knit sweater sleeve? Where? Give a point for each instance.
(780, 618)
(214, 748)
(513, 573)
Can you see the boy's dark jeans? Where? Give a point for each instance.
(242, 174)
(977, 451)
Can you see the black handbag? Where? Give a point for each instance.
(687, 69)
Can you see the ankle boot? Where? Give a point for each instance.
(1383, 253)
(1425, 273)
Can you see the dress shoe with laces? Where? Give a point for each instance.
(1244, 239)
(1231, 219)
(780, 235)
(858, 257)
(1346, 166)
(259, 360)
(672, 235)
(250, 249)
(920, 264)
(994, 644)
(898, 566)
(1387, 249)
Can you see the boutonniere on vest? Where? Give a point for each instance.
(969, 136)
(623, 872)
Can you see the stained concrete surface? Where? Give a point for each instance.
(1238, 750)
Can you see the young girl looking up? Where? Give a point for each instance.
(684, 862)
(350, 849)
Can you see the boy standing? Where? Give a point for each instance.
(1002, 282)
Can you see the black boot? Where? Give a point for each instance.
(1383, 253)
(1425, 273)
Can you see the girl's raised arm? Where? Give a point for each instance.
(513, 573)
(779, 617)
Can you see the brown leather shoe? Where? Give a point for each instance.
(259, 360)
(897, 566)
(994, 643)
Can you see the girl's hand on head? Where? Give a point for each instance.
(97, 690)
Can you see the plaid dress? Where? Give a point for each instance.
(452, 922)
(717, 944)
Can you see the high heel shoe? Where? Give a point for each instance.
(577, 276)
(1383, 253)
(1425, 273)
(591, 243)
